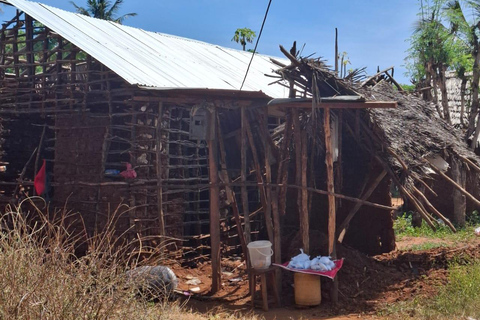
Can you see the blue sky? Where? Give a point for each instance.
(372, 32)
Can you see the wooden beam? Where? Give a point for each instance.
(305, 216)
(330, 183)
(455, 185)
(243, 174)
(159, 166)
(302, 214)
(434, 210)
(344, 226)
(214, 205)
(306, 104)
(284, 161)
(470, 163)
(405, 193)
(336, 52)
(374, 76)
(263, 197)
(230, 194)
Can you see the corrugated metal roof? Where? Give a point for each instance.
(155, 59)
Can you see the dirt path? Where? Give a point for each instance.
(367, 284)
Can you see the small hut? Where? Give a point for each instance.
(157, 131)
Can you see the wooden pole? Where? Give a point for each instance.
(344, 226)
(330, 182)
(305, 217)
(406, 194)
(336, 52)
(470, 163)
(214, 204)
(302, 214)
(434, 210)
(263, 197)
(331, 199)
(243, 175)
(158, 152)
(284, 158)
(230, 194)
(455, 185)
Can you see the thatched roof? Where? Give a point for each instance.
(413, 130)
(409, 133)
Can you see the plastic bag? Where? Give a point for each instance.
(300, 261)
(327, 261)
(315, 264)
(477, 232)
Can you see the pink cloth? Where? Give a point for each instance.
(129, 173)
(329, 274)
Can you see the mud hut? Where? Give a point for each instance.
(159, 124)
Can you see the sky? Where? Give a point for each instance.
(374, 33)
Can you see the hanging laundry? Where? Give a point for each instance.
(129, 173)
(40, 181)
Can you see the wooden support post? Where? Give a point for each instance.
(459, 200)
(470, 163)
(336, 52)
(214, 204)
(456, 186)
(344, 226)
(406, 194)
(230, 194)
(331, 198)
(22, 174)
(272, 197)
(159, 167)
(16, 56)
(283, 165)
(302, 212)
(427, 187)
(305, 214)
(243, 175)
(263, 197)
(434, 210)
(330, 182)
(29, 46)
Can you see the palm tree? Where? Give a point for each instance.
(432, 49)
(102, 9)
(469, 33)
(244, 35)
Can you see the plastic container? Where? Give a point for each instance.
(260, 254)
(307, 289)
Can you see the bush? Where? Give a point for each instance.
(41, 278)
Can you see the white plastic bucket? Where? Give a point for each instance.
(260, 254)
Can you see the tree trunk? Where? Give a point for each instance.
(475, 102)
(459, 200)
(435, 92)
(463, 87)
(442, 82)
(427, 94)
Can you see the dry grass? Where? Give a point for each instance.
(41, 278)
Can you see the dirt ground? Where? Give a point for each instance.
(366, 284)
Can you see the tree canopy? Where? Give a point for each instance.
(103, 9)
(244, 35)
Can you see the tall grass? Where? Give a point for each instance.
(459, 299)
(42, 278)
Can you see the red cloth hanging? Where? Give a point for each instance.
(40, 181)
(129, 173)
